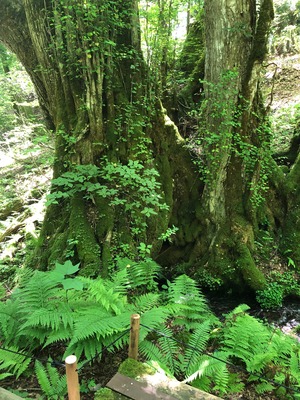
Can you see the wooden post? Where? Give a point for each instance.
(134, 336)
(72, 378)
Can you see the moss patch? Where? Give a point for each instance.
(251, 274)
(104, 394)
(87, 247)
(134, 369)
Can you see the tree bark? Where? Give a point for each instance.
(233, 138)
(85, 61)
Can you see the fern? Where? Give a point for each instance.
(52, 384)
(240, 337)
(213, 371)
(145, 302)
(14, 364)
(139, 274)
(54, 317)
(94, 321)
(10, 319)
(221, 378)
(106, 295)
(92, 326)
(153, 319)
(264, 387)
(151, 352)
(62, 335)
(191, 304)
(169, 349)
(196, 346)
(265, 352)
(37, 292)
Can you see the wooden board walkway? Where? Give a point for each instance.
(147, 391)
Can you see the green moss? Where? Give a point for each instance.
(56, 246)
(291, 235)
(251, 274)
(88, 250)
(133, 368)
(193, 48)
(263, 26)
(291, 228)
(259, 46)
(104, 394)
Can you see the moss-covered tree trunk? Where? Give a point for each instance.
(234, 139)
(119, 161)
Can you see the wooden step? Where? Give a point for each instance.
(145, 391)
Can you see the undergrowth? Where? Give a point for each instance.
(61, 309)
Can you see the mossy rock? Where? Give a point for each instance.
(134, 369)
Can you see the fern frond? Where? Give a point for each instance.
(170, 350)
(153, 319)
(42, 377)
(259, 361)
(52, 384)
(197, 344)
(92, 346)
(38, 291)
(221, 378)
(99, 323)
(139, 274)
(200, 370)
(202, 383)
(53, 317)
(245, 337)
(145, 302)
(209, 366)
(62, 335)
(118, 344)
(264, 387)
(10, 320)
(103, 291)
(52, 373)
(185, 293)
(153, 353)
(12, 363)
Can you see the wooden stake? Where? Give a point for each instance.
(72, 378)
(134, 336)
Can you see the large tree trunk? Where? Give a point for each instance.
(85, 61)
(234, 139)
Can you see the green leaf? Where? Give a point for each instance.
(67, 268)
(74, 283)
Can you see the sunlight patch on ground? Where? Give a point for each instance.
(25, 176)
(5, 159)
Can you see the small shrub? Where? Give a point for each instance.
(271, 297)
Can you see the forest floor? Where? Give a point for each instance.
(26, 154)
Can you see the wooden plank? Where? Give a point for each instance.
(136, 390)
(6, 395)
(187, 392)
